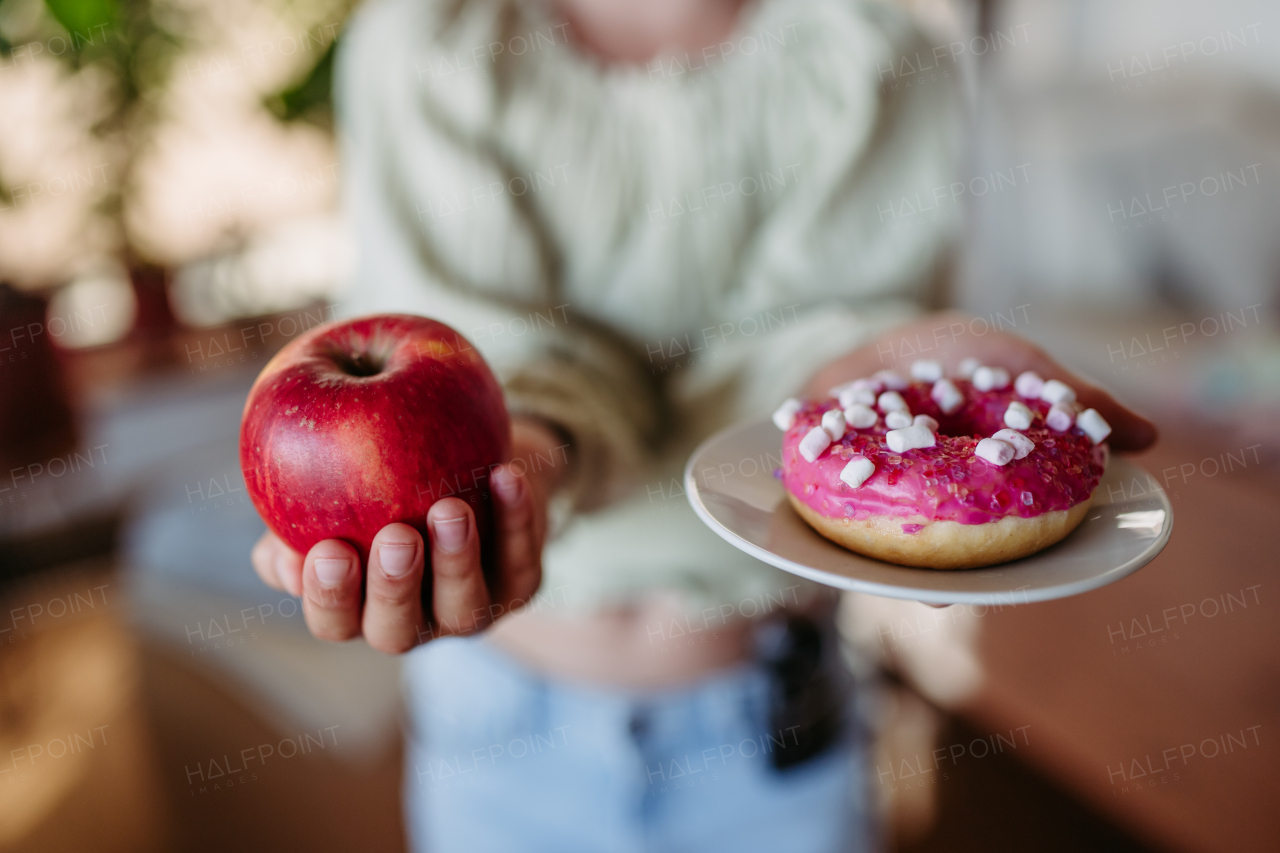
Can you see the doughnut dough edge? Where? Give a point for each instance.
(945, 544)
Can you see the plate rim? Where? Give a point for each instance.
(930, 596)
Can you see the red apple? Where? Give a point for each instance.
(358, 424)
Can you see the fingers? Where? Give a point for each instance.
(263, 558)
(520, 539)
(393, 619)
(1130, 432)
(385, 604)
(278, 565)
(331, 580)
(459, 597)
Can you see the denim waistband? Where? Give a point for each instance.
(470, 683)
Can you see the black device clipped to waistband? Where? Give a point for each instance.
(806, 699)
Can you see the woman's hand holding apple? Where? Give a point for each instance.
(388, 612)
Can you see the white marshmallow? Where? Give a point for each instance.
(835, 390)
(926, 370)
(1093, 425)
(833, 423)
(891, 401)
(814, 443)
(897, 419)
(1028, 385)
(1018, 416)
(909, 438)
(1057, 392)
(946, 395)
(1020, 443)
(785, 416)
(859, 416)
(890, 380)
(1060, 418)
(967, 367)
(990, 378)
(926, 421)
(850, 396)
(857, 471)
(869, 384)
(995, 451)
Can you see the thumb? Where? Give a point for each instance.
(1130, 432)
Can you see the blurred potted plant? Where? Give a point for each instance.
(125, 51)
(124, 46)
(130, 47)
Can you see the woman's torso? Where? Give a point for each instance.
(679, 205)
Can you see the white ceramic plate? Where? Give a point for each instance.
(730, 482)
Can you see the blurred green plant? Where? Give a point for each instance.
(311, 98)
(134, 45)
(131, 43)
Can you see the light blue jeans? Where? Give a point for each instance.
(502, 759)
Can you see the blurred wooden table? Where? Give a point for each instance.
(79, 768)
(1157, 699)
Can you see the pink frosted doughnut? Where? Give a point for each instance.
(943, 507)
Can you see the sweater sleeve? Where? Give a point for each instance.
(443, 228)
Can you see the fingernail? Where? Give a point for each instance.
(396, 559)
(331, 572)
(450, 534)
(507, 485)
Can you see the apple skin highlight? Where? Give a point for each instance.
(361, 423)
